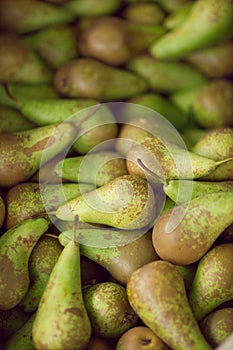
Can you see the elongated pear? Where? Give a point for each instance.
(41, 263)
(116, 259)
(96, 168)
(198, 188)
(166, 77)
(187, 240)
(164, 306)
(33, 15)
(213, 282)
(126, 202)
(22, 152)
(89, 7)
(62, 301)
(89, 78)
(16, 246)
(22, 339)
(178, 16)
(12, 120)
(11, 321)
(171, 5)
(181, 41)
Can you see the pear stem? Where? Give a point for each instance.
(224, 161)
(154, 175)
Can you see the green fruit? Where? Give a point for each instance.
(12, 120)
(93, 7)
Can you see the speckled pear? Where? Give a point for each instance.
(164, 306)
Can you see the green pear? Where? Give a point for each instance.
(56, 45)
(177, 17)
(181, 41)
(96, 168)
(164, 306)
(213, 282)
(188, 274)
(27, 200)
(184, 234)
(41, 262)
(217, 326)
(2, 211)
(184, 100)
(126, 202)
(116, 259)
(166, 77)
(11, 321)
(16, 245)
(12, 120)
(199, 188)
(171, 5)
(162, 161)
(89, 78)
(163, 106)
(93, 8)
(193, 135)
(214, 61)
(22, 339)
(109, 310)
(63, 300)
(140, 338)
(13, 95)
(145, 12)
(23, 152)
(33, 15)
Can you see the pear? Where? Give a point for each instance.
(140, 338)
(62, 300)
(19, 64)
(89, 78)
(213, 282)
(99, 343)
(166, 77)
(193, 135)
(28, 199)
(16, 245)
(116, 259)
(181, 41)
(199, 188)
(22, 339)
(214, 61)
(126, 202)
(12, 120)
(22, 152)
(41, 262)
(164, 306)
(171, 5)
(11, 320)
(33, 15)
(145, 12)
(184, 234)
(2, 211)
(177, 17)
(188, 274)
(96, 168)
(56, 45)
(109, 310)
(217, 326)
(93, 8)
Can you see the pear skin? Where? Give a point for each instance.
(127, 202)
(145, 12)
(92, 8)
(2, 211)
(177, 17)
(171, 5)
(181, 41)
(164, 306)
(98, 343)
(16, 247)
(213, 282)
(12, 120)
(11, 321)
(187, 240)
(62, 300)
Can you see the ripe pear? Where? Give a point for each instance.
(184, 234)
(41, 262)
(181, 41)
(164, 306)
(217, 326)
(33, 15)
(22, 152)
(16, 245)
(213, 282)
(140, 338)
(89, 78)
(178, 16)
(96, 168)
(11, 321)
(109, 310)
(127, 202)
(145, 12)
(92, 8)
(166, 77)
(62, 300)
(2, 211)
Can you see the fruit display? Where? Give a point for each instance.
(116, 174)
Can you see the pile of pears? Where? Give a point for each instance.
(116, 175)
